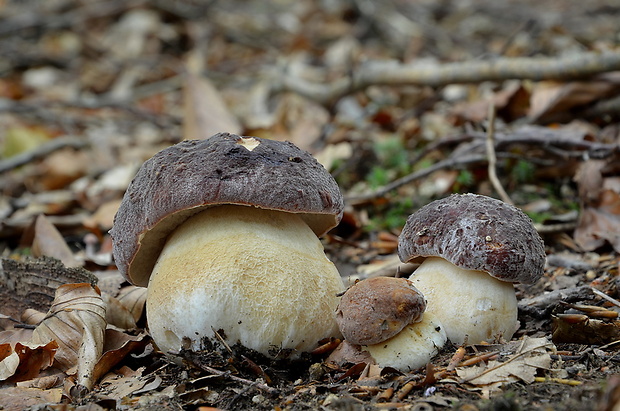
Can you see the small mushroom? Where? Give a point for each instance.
(224, 232)
(384, 319)
(472, 248)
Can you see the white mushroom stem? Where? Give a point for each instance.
(413, 347)
(257, 277)
(471, 305)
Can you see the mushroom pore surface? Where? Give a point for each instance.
(258, 277)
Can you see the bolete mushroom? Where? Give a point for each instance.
(384, 316)
(224, 232)
(472, 248)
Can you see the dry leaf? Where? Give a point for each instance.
(599, 221)
(20, 398)
(49, 242)
(21, 362)
(527, 356)
(551, 100)
(103, 218)
(510, 103)
(76, 321)
(117, 346)
(9, 361)
(133, 298)
(580, 329)
(205, 110)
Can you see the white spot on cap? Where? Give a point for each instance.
(249, 143)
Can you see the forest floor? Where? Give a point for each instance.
(403, 102)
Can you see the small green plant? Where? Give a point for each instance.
(378, 177)
(393, 154)
(464, 180)
(523, 171)
(392, 216)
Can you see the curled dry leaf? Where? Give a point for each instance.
(133, 299)
(524, 358)
(117, 346)
(76, 321)
(124, 310)
(21, 362)
(116, 314)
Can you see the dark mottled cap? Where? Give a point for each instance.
(476, 233)
(184, 179)
(378, 308)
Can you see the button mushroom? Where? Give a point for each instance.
(224, 232)
(472, 249)
(384, 316)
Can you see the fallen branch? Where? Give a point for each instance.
(560, 144)
(40, 152)
(393, 74)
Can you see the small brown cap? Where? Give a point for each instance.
(475, 232)
(378, 308)
(184, 179)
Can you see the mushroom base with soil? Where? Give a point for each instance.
(471, 305)
(256, 277)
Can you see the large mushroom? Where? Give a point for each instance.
(224, 232)
(472, 248)
(383, 321)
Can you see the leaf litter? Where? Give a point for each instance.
(81, 111)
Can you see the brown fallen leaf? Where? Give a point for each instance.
(20, 398)
(76, 321)
(117, 346)
(205, 111)
(49, 242)
(599, 221)
(21, 362)
(552, 101)
(133, 298)
(581, 329)
(521, 363)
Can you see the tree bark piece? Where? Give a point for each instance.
(33, 283)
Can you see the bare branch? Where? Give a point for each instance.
(393, 74)
(41, 151)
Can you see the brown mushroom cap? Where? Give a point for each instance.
(475, 232)
(375, 309)
(184, 179)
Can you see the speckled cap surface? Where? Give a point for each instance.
(475, 232)
(192, 175)
(378, 308)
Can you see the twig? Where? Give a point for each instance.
(227, 374)
(388, 74)
(492, 159)
(448, 163)
(40, 151)
(543, 138)
(606, 297)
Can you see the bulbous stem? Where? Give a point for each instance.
(471, 305)
(257, 277)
